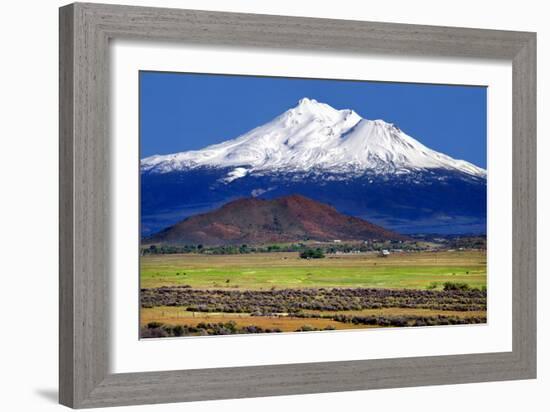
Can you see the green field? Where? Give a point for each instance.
(415, 270)
(259, 300)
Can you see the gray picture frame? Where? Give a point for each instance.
(85, 32)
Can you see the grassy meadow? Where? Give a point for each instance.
(201, 294)
(415, 270)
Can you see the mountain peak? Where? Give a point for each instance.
(305, 101)
(310, 109)
(314, 136)
(296, 197)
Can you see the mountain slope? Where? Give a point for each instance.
(285, 219)
(368, 169)
(314, 136)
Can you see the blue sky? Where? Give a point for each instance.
(180, 111)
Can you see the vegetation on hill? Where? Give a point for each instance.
(417, 244)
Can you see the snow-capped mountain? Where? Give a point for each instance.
(315, 137)
(365, 168)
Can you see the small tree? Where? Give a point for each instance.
(312, 254)
(447, 286)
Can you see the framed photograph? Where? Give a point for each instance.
(256, 205)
